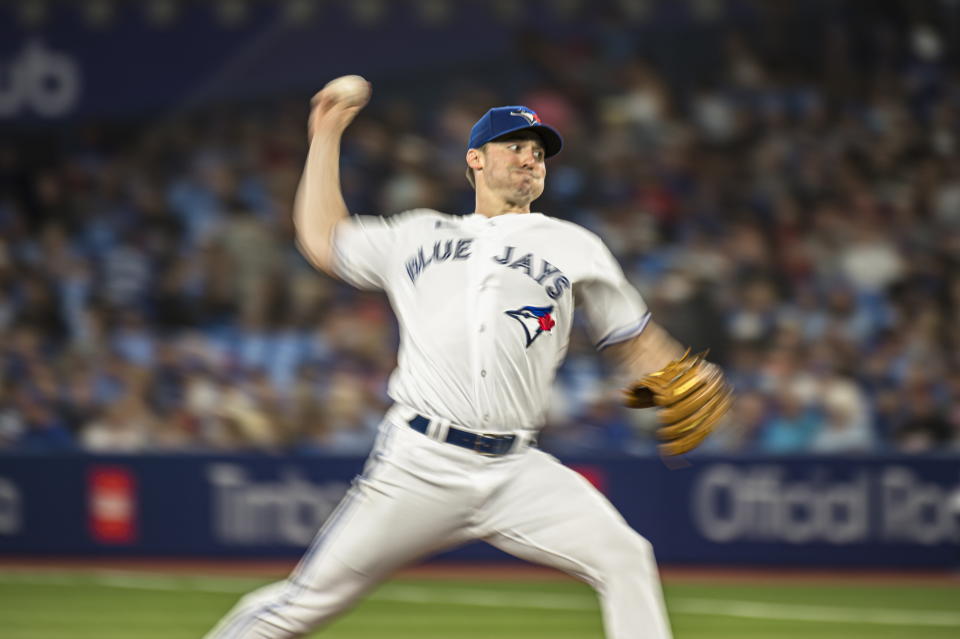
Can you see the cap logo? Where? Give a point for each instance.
(531, 117)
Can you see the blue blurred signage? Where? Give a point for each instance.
(40, 81)
(66, 68)
(836, 512)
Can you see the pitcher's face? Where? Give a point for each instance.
(514, 167)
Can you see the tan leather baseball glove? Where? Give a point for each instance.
(692, 395)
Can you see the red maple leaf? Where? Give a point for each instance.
(546, 322)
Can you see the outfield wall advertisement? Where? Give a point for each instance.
(889, 512)
(65, 68)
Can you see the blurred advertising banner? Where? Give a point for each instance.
(80, 60)
(112, 504)
(887, 512)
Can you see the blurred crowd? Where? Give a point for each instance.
(798, 214)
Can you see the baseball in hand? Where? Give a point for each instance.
(352, 90)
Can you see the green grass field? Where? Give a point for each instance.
(137, 605)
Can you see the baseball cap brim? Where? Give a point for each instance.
(552, 142)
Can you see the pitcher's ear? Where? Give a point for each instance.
(474, 159)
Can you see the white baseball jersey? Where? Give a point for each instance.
(485, 307)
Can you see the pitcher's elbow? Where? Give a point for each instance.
(320, 255)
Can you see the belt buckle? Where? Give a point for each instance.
(484, 444)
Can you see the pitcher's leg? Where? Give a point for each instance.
(549, 514)
(289, 609)
(387, 520)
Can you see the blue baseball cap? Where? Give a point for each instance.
(499, 121)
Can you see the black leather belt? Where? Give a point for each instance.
(493, 445)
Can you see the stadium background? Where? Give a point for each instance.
(779, 179)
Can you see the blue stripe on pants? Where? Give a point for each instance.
(245, 620)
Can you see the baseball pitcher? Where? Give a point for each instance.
(485, 304)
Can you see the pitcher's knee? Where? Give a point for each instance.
(628, 553)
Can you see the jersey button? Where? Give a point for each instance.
(483, 327)
(483, 372)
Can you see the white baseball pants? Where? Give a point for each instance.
(418, 496)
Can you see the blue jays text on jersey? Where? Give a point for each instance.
(459, 249)
(442, 251)
(560, 282)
